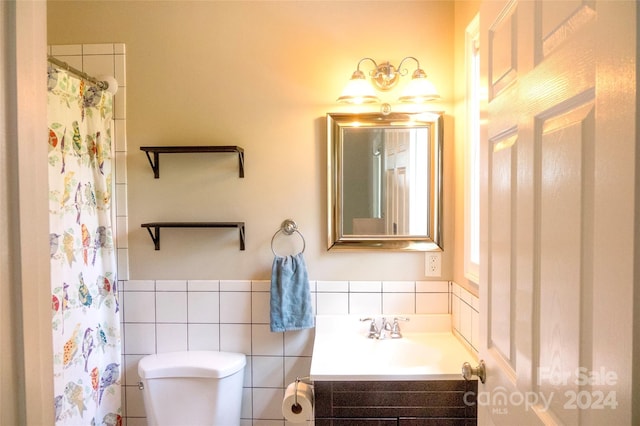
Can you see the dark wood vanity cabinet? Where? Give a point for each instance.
(396, 403)
(355, 422)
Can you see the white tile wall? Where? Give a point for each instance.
(365, 304)
(204, 337)
(465, 308)
(264, 342)
(203, 307)
(235, 306)
(165, 315)
(171, 306)
(236, 338)
(171, 337)
(139, 338)
(398, 303)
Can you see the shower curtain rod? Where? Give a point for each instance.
(103, 85)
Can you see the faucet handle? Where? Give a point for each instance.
(373, 329)
(395, 330)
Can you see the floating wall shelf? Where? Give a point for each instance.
(157, 150)
(155, 234)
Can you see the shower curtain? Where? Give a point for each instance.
(85, 322)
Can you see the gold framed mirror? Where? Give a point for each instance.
(384, 188)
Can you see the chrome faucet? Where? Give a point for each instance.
(385, 326)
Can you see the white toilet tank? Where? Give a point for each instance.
(192, 388)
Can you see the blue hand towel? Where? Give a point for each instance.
(290, 294)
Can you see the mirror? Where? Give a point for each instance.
(385, 181)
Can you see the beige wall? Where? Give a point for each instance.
(261, 75)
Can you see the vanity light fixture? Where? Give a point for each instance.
(385, 77)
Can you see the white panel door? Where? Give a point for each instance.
(557, 212)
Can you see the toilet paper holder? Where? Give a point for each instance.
(296, 408)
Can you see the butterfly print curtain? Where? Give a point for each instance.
(85, 322)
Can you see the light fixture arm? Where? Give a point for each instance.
(358, 74)
(418, 73)
(375, 64)
(405, 71)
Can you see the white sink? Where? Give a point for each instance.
(427, 351)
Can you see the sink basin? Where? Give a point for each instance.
(427, 351)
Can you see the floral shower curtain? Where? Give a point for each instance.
(85, 323)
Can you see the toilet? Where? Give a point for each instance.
(192, 388)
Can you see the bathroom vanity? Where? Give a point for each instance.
(408, 381)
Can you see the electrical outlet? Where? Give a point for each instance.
(433, 264)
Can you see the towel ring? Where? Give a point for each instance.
(288, 227)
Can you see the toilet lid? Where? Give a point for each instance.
(191, 364)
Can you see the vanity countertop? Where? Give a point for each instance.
(428, 350)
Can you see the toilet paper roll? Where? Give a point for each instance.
(304, 410)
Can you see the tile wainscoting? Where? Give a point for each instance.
(163, 315)
(464, 315)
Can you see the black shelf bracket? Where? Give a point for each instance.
(155, 233)
(157, 150)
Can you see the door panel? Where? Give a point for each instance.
(565, 230)
(502, 196)
(559, 21)
(503, 37)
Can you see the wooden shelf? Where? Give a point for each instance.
(157, 150)
(155, 234)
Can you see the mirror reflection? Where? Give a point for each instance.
(385, 181)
